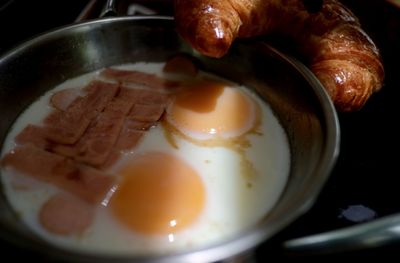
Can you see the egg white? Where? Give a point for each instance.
(234, 201)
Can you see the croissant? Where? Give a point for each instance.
(341, 55)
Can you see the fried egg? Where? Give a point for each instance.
(212, 109)
(197, 178)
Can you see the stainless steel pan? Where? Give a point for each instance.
(297, 98)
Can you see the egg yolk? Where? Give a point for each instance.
(212, 108)
(159, 194)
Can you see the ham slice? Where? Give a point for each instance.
(104, 131)
(137, 77)
(130, 134)
(127, 140)
(34, 135)
(132, 124)
(123, 102)
(66, 215)
(87, 131)
(97, 142)
(84, 181)
(153, 97)
(147, 113)
(62, 99)
(69, 125)
(141, 117)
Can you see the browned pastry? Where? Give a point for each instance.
(340, 53)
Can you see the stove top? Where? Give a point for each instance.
(364, 183)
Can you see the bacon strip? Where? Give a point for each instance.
(86, 182)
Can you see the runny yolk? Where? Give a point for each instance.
(213, 109)
(159, 194)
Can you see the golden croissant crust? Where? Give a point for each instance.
(340, 53)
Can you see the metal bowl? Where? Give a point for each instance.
(295, 95)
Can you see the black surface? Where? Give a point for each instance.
(366, 175)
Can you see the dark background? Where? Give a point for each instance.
(364, 184)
